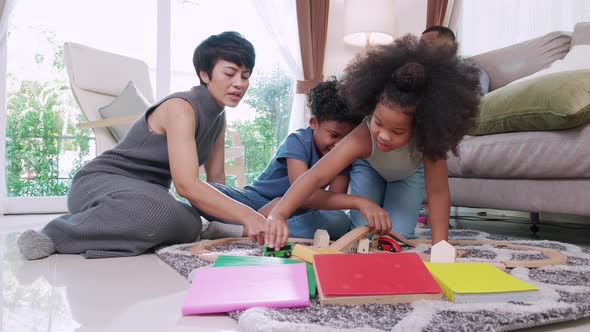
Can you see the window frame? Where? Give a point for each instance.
(58, 204)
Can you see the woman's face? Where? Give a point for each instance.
(391, 127)
(228, 83)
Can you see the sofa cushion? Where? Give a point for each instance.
(130, 102)
(581, 35)
(559, 154)
(519, 60)
(576, 59)
(551, 102)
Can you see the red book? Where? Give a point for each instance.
(373, 278)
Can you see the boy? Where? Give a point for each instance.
(330, 121)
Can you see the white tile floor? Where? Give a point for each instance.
(65, 293)
(69, 293)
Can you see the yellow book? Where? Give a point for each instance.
(480, 282)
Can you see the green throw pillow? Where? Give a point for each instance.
(550, 102)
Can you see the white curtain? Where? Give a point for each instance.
(6, 7)
(280, 20)
(487, 25)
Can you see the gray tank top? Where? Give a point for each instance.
(143, 154)
(397, 164)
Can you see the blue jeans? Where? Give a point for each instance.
(401, 199)
(302, 224)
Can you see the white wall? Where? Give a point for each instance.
(409, 17)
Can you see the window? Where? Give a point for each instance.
(488, 25)
(262, 118)
(44, 147)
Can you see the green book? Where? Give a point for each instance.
(260, 260)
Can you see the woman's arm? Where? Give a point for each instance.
(178, 121)
(215, 165)
(439, 198)
(355, 145)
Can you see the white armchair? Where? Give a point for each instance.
(98, 77)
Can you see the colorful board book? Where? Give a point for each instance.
(468, 282)
(382, 278)
(230, 288)
(226, 260)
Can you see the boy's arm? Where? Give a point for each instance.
(339, 184)
(323, 199)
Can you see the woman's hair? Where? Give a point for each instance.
(229, 46)
(326, 104)
(441, 92)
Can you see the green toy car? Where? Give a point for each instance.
(284, 251)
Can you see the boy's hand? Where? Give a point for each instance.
(254, 228)
(377, 217)
(276, 233)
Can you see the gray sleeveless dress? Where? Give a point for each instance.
(119, 203)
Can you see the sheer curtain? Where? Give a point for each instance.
(6, 7)
(286, 36)
(486, 25)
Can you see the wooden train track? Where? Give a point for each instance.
(554, 257)
(202, 251)
(351, 238)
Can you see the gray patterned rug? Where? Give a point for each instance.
(565, 294)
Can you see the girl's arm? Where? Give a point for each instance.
(178, 121)
(355, 145)
(439, 198)
(215, 165)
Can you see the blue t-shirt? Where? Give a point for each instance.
(274, 180)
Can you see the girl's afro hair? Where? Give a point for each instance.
(443, 91)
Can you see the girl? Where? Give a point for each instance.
(119, 203)
(418, 106)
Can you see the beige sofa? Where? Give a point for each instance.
(532, 171)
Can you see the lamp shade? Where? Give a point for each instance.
(368, 22)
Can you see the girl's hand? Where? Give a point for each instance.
(276, 233)
(377, 217)
(254, 228)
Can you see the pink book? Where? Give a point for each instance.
(223, 289)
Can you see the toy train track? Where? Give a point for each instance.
(349, 239)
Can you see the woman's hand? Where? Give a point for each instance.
(254, 228)
(377, 217)
(277, 232)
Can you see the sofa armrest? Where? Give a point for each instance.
(108, 122)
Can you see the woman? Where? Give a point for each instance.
(119, 203)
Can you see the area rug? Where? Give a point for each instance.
(565, 294)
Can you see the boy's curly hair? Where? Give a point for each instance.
(443, 89)
(326, 104)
